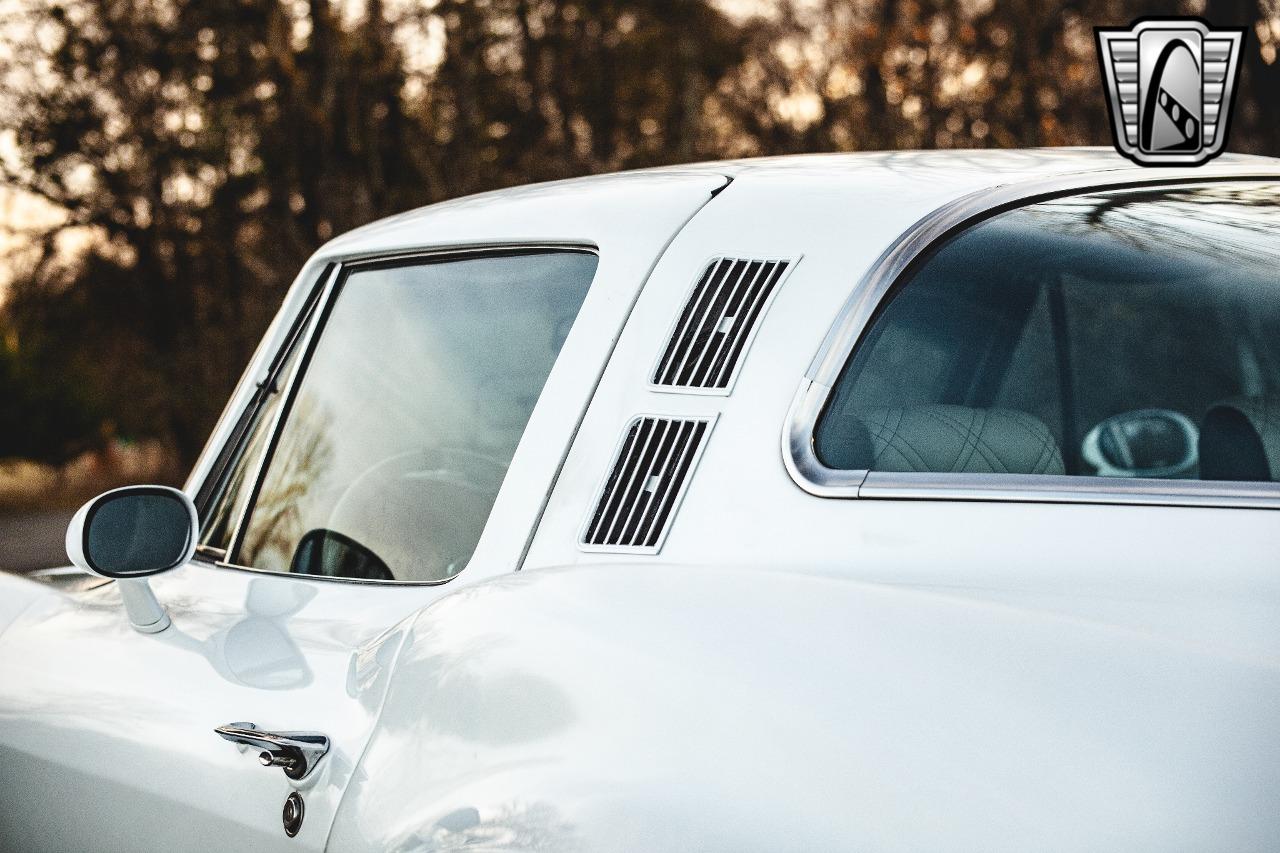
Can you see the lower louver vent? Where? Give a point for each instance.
(647, 481)
(717, 323)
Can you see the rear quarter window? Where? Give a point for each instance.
(1125, 334)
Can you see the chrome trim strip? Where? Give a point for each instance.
(353, 259)
(232, 567)
(305, 343)
(274, 339)
(914, 246)
(1043, 488)
(234, 444)
(802, 463)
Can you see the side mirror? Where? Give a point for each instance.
(128, 534)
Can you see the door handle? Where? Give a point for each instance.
(297, 753)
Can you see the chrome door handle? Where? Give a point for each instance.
(297, 753)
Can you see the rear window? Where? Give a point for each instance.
(1123, 334)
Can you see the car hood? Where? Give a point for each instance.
(663, 707)
(17, 594)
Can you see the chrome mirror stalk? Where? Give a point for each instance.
(145, 612)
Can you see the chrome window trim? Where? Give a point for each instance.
(357, 258)
(1044, 488)
(232, 432)
(309, 336)
(306, 342)
(899, 261)
(223, 565)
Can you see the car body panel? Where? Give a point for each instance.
(744, 509)
(643, 707)
(121, 723)
(17, 594)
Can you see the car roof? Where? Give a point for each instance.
(982, 163)
(925, 179)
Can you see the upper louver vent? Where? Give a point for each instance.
(717, 323)
(648, 479)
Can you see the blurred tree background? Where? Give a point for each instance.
(185, 156)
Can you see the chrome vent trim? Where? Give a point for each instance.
(652, 467)
(715, 327)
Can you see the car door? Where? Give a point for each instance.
(391, 449)
(397, 437)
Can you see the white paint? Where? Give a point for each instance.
(120, 724)
(788, 673)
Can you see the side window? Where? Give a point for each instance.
(235, 482)
(219, 525)
(408, 413)
(1123, 334)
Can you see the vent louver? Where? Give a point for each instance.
(647, 481)
(717, 323)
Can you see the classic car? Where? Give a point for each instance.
(898, 501)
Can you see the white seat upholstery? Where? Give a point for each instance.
(941, 438)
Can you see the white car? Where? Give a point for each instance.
(912, 501)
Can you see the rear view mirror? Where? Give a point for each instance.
(130, 533)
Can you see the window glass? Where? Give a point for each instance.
(409, 412)
(1126, 334)
(219, 526)
(225, 510)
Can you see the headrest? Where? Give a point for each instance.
(938, 438)
(1240, 439)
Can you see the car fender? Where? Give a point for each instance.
(628, 707)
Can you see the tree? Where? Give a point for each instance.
(208, 146)
(1255, 125)
(530, 90)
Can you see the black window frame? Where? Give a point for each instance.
(215, 482)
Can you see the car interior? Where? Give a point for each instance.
(1056, 339)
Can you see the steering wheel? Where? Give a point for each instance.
(422, 511)
(1143, 443)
